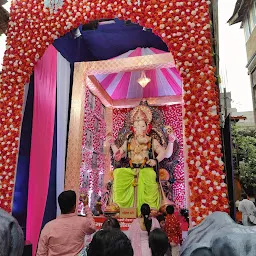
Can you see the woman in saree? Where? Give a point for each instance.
(139, 232)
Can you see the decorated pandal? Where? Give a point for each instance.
(141, 150)
(113, 150)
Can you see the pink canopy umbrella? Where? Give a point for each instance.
(124, 85)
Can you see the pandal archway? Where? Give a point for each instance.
(183, 25)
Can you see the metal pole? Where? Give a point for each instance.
(225, 102)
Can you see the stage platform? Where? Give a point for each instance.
(125, 223)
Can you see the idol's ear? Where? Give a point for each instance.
(149, 128)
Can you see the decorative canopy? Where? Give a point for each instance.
(106, 41)
(124, 85)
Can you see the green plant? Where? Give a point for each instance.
(245, 147)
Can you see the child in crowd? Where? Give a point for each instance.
(161, 220)
(111, 223)
(173, 230)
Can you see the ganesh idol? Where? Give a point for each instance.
(143, 145)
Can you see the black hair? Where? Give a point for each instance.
(158, 242)
(145, 211)
(185, 214)
(110, 243)
(170, 209)
(160, 218)
(111, 223)
(67, 201)
(244, 196)
(250, 191)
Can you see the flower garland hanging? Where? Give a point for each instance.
(183, 25)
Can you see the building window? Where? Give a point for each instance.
(254, 12)
(247, 31)
(254, 97)
(252, 18)
(254, 78)
(249, 22)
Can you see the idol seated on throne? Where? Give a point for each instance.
(143, 146)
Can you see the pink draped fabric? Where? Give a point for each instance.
(41, 144)
(136, 52)
(164, 81)
(108, 80)
(122, 87)
(140, 247)
(156, 51)
(176, 88)
(151, 88)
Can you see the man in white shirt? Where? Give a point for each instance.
(247, 208)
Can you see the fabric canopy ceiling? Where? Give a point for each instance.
(106, 42)
(124, 85)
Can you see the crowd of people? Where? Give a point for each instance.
(147, 235)
(65, 235)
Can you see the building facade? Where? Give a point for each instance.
(245, 13)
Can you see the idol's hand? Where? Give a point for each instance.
(171, 137)
(151, 162)
(109, 139)
(119, 155)
(84, 199)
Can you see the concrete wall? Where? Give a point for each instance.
(249, 122)
(251, 45)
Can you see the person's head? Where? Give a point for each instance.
(67, 201)
(170, 209)
(250, 191)
(111, 223)
(110, 243)
(244, 196)
(158, 242)
(161, 220)
(145, 212)
(11, 235)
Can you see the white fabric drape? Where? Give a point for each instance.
(26, 88)
(63, 84)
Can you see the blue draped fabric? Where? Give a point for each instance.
(106, 42)
(22, 174)
(51, 207)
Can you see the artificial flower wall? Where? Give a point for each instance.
(183, 25)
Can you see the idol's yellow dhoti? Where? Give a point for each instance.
(147, 188)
